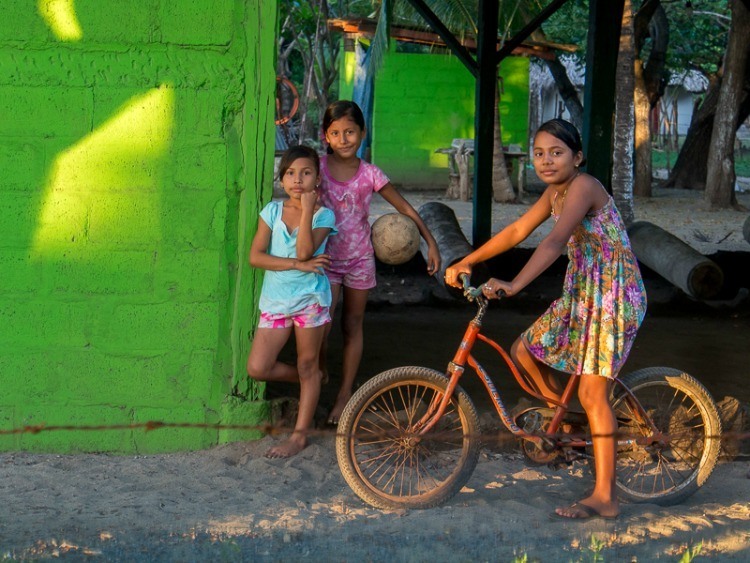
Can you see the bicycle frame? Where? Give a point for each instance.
(463, 356)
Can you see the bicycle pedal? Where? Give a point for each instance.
(573, 455)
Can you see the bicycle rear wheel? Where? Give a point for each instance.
(384, 459)
(668, 465)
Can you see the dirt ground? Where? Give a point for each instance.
(230, 503)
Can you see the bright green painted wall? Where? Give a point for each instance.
(423, 102)
(137, 148)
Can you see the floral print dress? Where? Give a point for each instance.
(591, 328)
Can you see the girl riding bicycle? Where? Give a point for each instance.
(590, 329)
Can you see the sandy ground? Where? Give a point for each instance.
(232, 504)
(680, 212)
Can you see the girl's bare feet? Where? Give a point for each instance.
(289, 447)
(338, 408)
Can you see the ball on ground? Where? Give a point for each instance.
(395, 238)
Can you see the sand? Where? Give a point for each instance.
(230, 503)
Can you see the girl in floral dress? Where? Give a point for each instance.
(590, 329)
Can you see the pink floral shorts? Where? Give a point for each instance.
(358, 273)
(311, 316)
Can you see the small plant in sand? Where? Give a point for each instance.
(595, 547)
(691, 553)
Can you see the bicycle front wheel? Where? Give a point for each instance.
(666, 464)
(381, 454)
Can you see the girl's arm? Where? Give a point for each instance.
(391, 195)
(579, 200)
(260, 258)
(508, 238)
(309, 239)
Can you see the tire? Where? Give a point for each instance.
(666, 471)
(376, 448)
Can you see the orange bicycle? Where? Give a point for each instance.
(409, 437)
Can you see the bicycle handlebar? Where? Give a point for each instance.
(472, 293)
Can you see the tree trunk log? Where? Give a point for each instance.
(650, 22)
(675, 261)
(502, 189)
(691, 169)
(567, 91)
(451, 242)
(464, 176)
(746, 229)
(720, 174)
(622, 154)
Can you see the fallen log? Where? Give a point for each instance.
(746, 229)
(675, 260)
(451, 242)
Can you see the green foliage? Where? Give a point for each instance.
(697, 32)
(691, 553)
(570, 25)
(595, 547)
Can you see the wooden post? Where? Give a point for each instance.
(484, 130)
(675, 261)
(603, 42)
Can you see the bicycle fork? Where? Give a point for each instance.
(455, 370)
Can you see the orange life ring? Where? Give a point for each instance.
(285, 90)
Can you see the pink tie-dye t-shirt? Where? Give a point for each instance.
(350, 202)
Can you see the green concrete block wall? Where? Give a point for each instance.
(137, 149)
(424, 101)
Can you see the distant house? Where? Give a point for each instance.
(672, 114)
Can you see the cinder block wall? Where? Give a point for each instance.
(136, 142)
(424, 101)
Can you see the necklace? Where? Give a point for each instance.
(565, 192)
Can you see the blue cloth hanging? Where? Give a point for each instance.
(362, 93)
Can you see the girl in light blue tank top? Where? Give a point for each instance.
(296, 295)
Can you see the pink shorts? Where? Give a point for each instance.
(311, 316)
(358, 273)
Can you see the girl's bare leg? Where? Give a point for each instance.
(593, 392)
(335, 293)
(308, 368)
(263, 364)
(352, 321)
(540, 376)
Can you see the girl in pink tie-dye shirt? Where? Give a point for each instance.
(348, 184)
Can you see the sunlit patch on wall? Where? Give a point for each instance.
(105, 191)
(60, 16)
(350, 65)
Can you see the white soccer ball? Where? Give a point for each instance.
(395, 238)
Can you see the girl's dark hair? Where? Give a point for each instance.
(343, 108)
(566, 132)
(293, 153)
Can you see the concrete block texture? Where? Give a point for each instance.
(137, 144)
